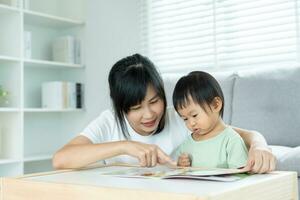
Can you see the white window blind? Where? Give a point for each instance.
(187, 34)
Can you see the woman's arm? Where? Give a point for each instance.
(251, 137)
(260, 157)
(81, 152)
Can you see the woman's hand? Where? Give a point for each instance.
(260, 160)
(184, 160)
(260, 157)
(148, 154)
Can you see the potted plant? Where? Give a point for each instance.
(3, 97)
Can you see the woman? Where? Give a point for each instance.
(141, 127)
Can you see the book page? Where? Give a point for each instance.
(164, 172)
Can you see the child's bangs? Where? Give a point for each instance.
(184, 99)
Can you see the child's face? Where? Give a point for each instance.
(197, 120)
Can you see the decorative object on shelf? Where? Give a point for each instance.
(61, 95)
(4, 97)
(66, 49)
(27, 44)
(5, 2)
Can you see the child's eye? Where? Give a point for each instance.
(184, 119)
(195, 115)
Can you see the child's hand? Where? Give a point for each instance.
(184, 160)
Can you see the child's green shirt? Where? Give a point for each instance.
(226, 150)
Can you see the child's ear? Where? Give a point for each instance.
(217, 104)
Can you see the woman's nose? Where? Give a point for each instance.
(148, 113)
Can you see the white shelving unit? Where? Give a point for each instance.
(30, 134)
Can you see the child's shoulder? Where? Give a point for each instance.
(231, 133)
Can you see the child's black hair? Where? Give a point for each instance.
(201, 87)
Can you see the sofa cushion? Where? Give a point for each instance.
(268, 100)
(226, 81)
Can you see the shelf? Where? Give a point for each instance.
(51, 64)
(4, 9)
(41, 19)
(34, 158)
(39, 110)
(8, 59)
(8, 161)
(3, 109)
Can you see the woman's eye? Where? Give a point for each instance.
(154, 101)
(135, 108)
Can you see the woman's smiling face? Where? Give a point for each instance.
(144, 118)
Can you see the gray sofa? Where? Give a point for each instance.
(266, 100)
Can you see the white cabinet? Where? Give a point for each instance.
(30, 134)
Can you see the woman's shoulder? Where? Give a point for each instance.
(106, 117)
(102, 128)
(106, 114)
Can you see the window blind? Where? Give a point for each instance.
(181, 35)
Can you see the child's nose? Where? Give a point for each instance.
(192, 123)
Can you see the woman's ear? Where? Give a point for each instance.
(217, 104)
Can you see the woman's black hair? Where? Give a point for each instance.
(128, 81)
(201, 87)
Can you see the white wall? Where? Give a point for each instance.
(112, 32)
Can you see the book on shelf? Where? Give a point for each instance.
(26, 4)
(77, 51)
(62, 95)
(78, 95)
(165, 172)
(66, 49)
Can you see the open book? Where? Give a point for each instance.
(164, 172)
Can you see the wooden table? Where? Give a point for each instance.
(89, 184)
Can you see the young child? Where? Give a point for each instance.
(199, 101)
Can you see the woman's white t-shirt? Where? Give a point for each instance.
(105, 129)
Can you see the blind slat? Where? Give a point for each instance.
(185, 33)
